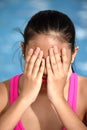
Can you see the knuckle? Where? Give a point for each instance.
(28, 75)
(41, 69)
(27, 58)
(36, 65)
(58, 59)
(26, 61)
(54, 63)
(32, 61)
(48, 67)
(66, 62)
(30, 66)
(37, 62)
(33, 78)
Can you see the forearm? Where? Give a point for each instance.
(13, 114)
(68, 117)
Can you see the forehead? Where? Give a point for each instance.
(45, 42)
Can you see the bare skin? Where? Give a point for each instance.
(37, 106)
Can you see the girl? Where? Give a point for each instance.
(48, 95)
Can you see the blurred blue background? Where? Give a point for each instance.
(16, 13)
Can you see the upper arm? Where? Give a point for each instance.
(83, 89)
(85, 96)
(83, 93)
(4, 97)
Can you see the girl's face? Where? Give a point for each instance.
(45, 42)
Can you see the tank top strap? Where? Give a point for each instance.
(72, 94)
(14, 88)
(14, 95)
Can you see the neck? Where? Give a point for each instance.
(69, 73)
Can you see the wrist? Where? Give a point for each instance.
(58, 100)
(24, 100)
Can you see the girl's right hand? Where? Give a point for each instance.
(33, 72)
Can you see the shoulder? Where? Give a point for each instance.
(82, 81)
(4, 95)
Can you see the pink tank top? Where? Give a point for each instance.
(72, 94)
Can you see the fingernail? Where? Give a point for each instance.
(41, 52)
(30, 51)
(64, 49)
(37, 49)
(55, 49)
(51, 49)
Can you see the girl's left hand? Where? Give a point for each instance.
(57, 71)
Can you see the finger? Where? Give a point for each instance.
(53, 61)
(48, 66)
(64, 60)
(27, 59)
(37, 64)
(57, 58)
(32, 61)
(41, 70)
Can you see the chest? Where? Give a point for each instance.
(41, 117)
